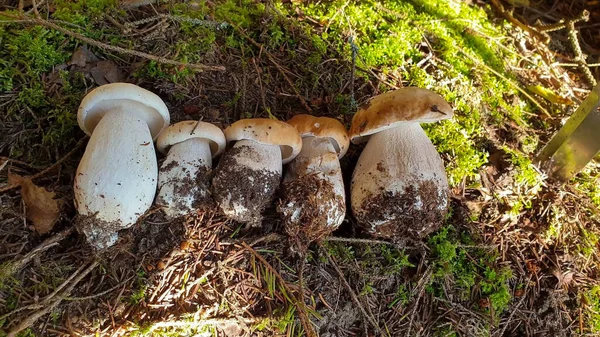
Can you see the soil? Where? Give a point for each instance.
(252, 189)
(99, 234)
(404, 218)
(317, 201)
(155, 238)
(195, 186)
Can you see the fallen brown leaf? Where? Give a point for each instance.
(42, 209)
(106, 72)
(83, 56)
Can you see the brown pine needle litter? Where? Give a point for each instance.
(518, 255)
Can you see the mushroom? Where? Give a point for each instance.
(116, 179)
(313, 200)
(399, 186)
(249, 173)
(184, 177)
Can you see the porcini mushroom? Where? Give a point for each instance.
(313, 199)
(116, 179)
(399, 186)
(249, 173)
(184, 177)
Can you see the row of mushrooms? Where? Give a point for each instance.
(399, 187)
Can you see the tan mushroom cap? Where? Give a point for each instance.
(134, 99)
(323, 127)
(182, 131)
(405, 105)
(269, 132)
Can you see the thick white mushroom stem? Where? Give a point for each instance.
(246, 180)
(316, 167)
(116, 179)
(399, 183)
(184, 177)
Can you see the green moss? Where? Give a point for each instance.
(467, 266)
(592, 297)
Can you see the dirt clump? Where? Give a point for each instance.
(401, 216)
(99, 234)
(307, 204)
(240, 188)
(191, 190)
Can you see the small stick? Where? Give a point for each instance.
(31, 319)
(308, 329)
(50, 242)
(272, 59)
(579, 58)
(584, 16)
(352, 294)
(49, 168)
(102, 45)
(515, 85)
(355, 240)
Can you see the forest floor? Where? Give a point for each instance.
(518, 255)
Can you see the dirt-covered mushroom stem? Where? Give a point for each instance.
(249, 173)
(399, 186)
(116, 179)
(185, 175)
(313, 198)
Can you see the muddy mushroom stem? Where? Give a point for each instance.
(184, 176)
(313, 203)
(399, 186)
(249, 173)
(116, 179)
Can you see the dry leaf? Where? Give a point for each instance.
(564, 279)
(42, 208)
(106, 72)
(83, 56)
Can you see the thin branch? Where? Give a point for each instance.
(13, 267)
(352, 294)
(32, 318)
(49, 168)
(102, 45)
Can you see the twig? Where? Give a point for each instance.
(49, 168)
(31, 319)
(545, 38)
(304, 320)
(585, 16)
(512, 312)
(352, 294)
(13, 267)
(102, 293)
(272, 59)
(354, 240)
(354, 49)
(203, 323)
(515, 85)
(102, 45)
(579, 58)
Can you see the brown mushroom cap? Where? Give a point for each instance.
(182, 131)
(323, 127)
(405, 105)
(269, 132)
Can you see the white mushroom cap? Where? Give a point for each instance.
(269, 132)
(405, 105)
(323, 127)
(182, 131)
(114, 96)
